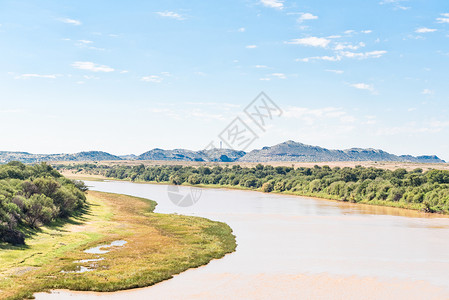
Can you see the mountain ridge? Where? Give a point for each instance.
(286, 151)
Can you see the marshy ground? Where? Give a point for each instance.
(157, 247)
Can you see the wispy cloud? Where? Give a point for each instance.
(363, 55)
(279, 4)
(156, 78)
(86, 44)
(251, 47)
(395, 3)
(241, 29)
(171, 14)
(326, 58)
(343, 46)
(279, 75)
(310, 41)
(425, 30)
(90, 66)
(427, 92)
(271, 76)
(70, 21)
(336, 71)
(152, 78)
(306, 16)
(363, 86)
(444, 18)
(26, 76)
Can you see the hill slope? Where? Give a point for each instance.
(293, 151)
(25, 157)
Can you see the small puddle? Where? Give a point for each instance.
(88, 260)
(98, 249)
(94, 250)
(81, 269)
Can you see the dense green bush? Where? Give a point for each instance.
(428, 191)
(31, 196)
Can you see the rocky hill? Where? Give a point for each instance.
(25, 157)
(221, 155)
(293, 151)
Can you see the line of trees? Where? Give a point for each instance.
(31, 196)
(428, 191)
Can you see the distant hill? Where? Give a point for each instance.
(25, 157)
(287, 151)
(220, 155)
(128, 157)
(293, 151)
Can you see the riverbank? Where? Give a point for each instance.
(157, 247)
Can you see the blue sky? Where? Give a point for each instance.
(126, 77)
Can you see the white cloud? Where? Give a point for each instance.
(427, 92)
(310, 41)
(395, 3)
(363, 55)
(260, 67)
(342, 46)
(279, 4)
(326, 58)
(363, 86)
(85, 42)
(366, 31)
(306, 16)
(170, 14)
(251, 47)
(279, 75)
(444, 18)
(90, 66)
(425, 30)
(241, 29)
(152, 78)
(336, 71)
(26, 76)
(70, 21)
(265, 79)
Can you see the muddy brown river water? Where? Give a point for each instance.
(301, 248)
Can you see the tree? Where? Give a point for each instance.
(39, 209)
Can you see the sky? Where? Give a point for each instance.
(129, 76)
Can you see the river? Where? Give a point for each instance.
(301, 248)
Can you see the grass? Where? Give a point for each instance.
(158, 246)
